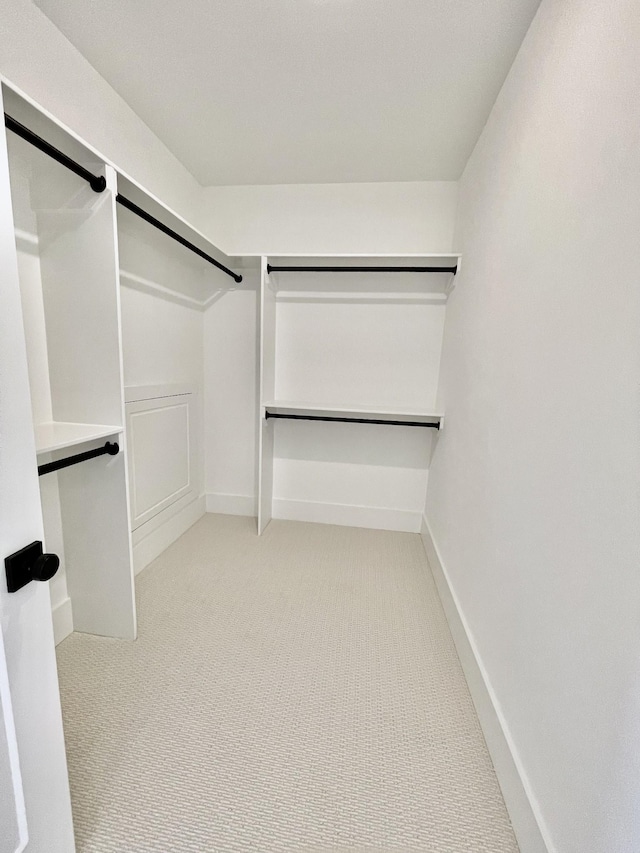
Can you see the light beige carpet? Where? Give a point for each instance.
(294, 692)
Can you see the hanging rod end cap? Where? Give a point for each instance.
(238, 278)
(98, 183)
(112, 448)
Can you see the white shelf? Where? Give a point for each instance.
(289, 407)
(401, 284)
(56, 435)
(447, 259)
(145, 199)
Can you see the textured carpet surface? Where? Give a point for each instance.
(294, 692)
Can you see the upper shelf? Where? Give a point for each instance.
(446, 260)
(158, 214)
(56, 435)
(369, 277)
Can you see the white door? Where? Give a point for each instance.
(13, 819)
(35, 809)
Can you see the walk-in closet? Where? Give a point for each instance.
(319, 467)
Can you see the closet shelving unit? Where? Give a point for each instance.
(65, 199)
(58, 208)
(349, 339)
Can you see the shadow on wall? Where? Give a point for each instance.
(355, 444)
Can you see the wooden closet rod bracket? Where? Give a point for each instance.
(97, 183)
(110, 448)
(433, 425)
(174, 235)
(271, 269)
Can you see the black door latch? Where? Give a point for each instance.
(29, 564)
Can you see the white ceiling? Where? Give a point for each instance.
(305, 91)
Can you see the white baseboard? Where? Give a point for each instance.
(232, 504)
(62, 620)
(147, 547)
(378, 518)
(523, 809)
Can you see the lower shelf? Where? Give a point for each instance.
(351, 414)
(57, 435)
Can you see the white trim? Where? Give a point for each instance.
(347, 515)
(231, 504)
(62, 620)
(151, 525)
(524, 811)
(147, 547)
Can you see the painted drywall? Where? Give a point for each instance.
(162, 341)
(162, 344)
(534, 486)
(332, 218)
(37, 58)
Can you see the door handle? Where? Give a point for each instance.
(29, 564)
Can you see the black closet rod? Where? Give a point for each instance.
(271, 269)
(97, 182)
(350, 420)
(110, 448)
(166, 230)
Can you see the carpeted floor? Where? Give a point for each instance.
(294, 692)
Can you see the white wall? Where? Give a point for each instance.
(162, 344)
(162, 341)
(409, 217)
(534, 498)
(36, 57)
(149, 257)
